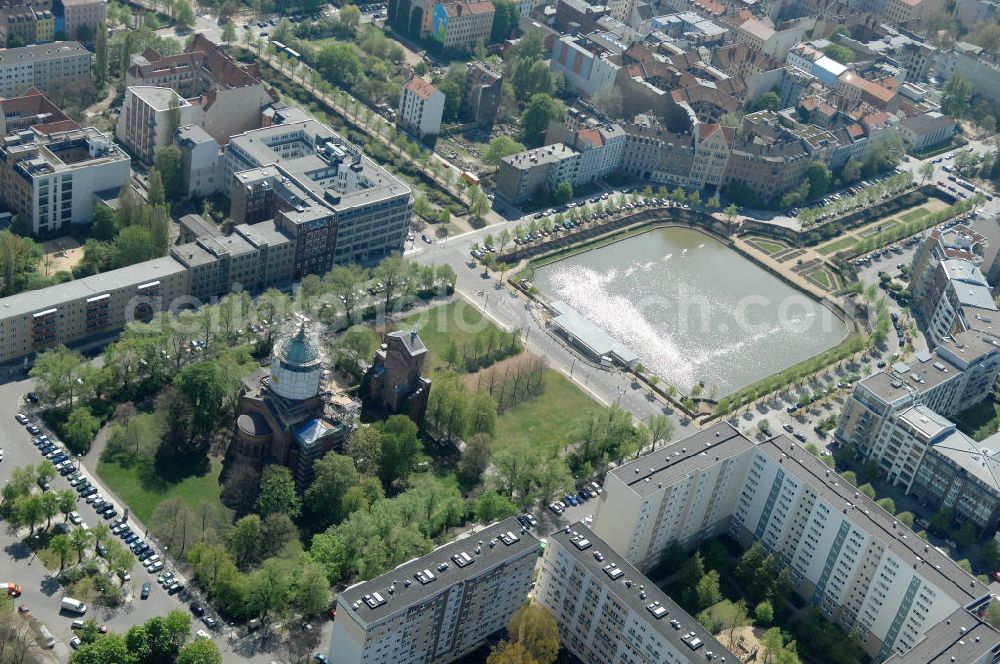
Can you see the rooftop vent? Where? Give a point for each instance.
(462, 559)
(425, 576)
(613, 570)
(374, 600)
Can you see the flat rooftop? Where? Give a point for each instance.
(961, 638)
(930, 563)
(420, 579)
(902, 379)
(590, 335)
(98, 284)
(626, 584)
(39, 52)
(978, 460)
(672, 463)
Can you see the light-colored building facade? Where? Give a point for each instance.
(846, 555)
(202, 160)
(421, 107)
(52, 179)
(48, 67)
(461, 24)
(588, 68)
(980, 67)
(73, 15)
(608, 612)
(147, 113)
(441, 606)
(927, 130)
(521, 175)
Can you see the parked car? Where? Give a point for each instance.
(145, 591)
(557, 507)
(21, 418)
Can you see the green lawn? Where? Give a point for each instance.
(914, 214)
(456, 321)
(142, 488)
(820, 277)
(541, 423)
(768, 245)
(837, 245)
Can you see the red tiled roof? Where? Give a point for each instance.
(855, 131)
(592, 136)
(420, 87)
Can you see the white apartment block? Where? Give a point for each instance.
(421, 107)
(608, 612)
(846, 555)
(438, 607)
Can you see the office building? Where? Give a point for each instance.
(461, 24)
(51, 68)
(421, 107)
(846, 555)
(441, 606)
(338, 206)
(608, 612)
(482, 94)
(52, 180)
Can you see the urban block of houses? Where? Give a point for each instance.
(203, 85)
(461, 24)
(303, 200)
(58, 66)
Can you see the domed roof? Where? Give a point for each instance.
(299, 349)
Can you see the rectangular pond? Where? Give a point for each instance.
(692, 309)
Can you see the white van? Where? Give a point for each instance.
(73, 606)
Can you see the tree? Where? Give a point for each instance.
(956, 96)
(392, 273)
(926, 171)
(769, 101)
(101, 55)
(334, 475)
(355, 345)
(508, 652)
(563, 192)
(841, 54)
(966, 535)
(81, 540)
(478, 207)
(201, 650)
(109, 648)
(183, 14)
(534, 628)
(277, 492)
(339, 64)
(399, 451)
(888, 504)
(491, 506)
(364, 446)
(245, 541)
(763, 613)
(204, 387)
(350, 18)
(80, 429)
(229, 32)
(103, 226)
(504, 20)
(905, 518)
(541, 110)
(475, 459)
(345, 281)
(62, 547)
(66, 498)
(661, 429)
(500, 147)
(56, 371)
(988, 552)
(868, 490)
(171, 168)
(707, 590)
(819, 177)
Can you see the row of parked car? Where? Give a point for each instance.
(586, 492)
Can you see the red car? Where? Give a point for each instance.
(13, 589)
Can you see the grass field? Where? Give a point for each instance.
(456, 321)
(769, 246)
(142, 489)
(914, 214)
(837, 245)
(541, 424)
(821, 278)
